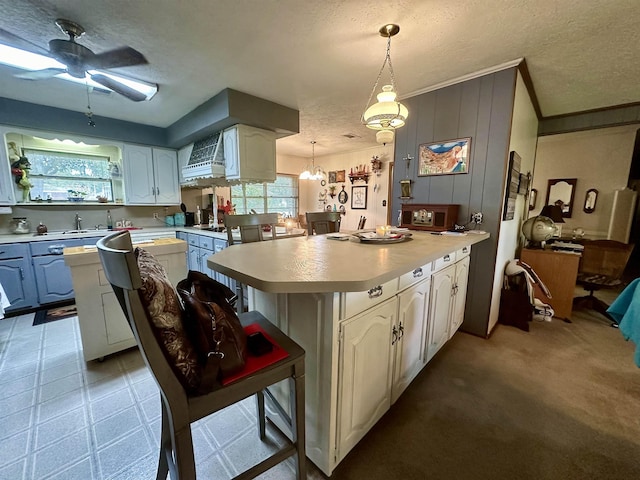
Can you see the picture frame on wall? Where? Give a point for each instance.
(332, 177)
(340, 176)
(513, 181)
(359, 197)
(444, 158)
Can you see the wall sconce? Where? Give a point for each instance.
(387, 114)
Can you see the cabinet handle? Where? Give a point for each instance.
(394, 335)
(401, 330)
(417, 273)
(446, 258)
(56, 249)
(375, 292)
(21, 273)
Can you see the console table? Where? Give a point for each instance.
(558, 271)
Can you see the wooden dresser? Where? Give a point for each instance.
(558, 271)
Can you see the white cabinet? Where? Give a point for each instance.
(151, 176)
(410, 335)
(103, 326)
(447, 302)
(249, 154)
(440, 309)
(459, 295)
(366, 357)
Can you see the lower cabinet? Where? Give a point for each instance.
(16, 276)
(366, 347)
(103, 326)
(381, 352)
(53, 279)
(201, 247)
(410, 336)
(446, 306)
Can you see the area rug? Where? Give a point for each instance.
(53, 314)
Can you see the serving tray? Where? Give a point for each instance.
(372, 238)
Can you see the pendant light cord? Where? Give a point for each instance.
(89, 113)
(387, 59)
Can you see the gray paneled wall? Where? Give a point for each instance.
(481, 109)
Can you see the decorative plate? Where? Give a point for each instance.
(371, 237)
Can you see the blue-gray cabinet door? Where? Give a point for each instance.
(16, 277)
(53, 278)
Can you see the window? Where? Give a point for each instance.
(280, 196)
(60, 176)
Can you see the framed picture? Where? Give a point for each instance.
(359, 197)
(444, 158)
(513, 180)
(332, 177)
(340, 176)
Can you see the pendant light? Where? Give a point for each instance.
(311, 172)
(387, 114)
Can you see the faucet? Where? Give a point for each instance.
(78, 222)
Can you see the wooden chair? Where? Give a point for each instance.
(601, 266)
(179, 409)
(323, 222)
(251, 227)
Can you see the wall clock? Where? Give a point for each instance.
(343, 196)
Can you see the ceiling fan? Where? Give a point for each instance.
(79, 60)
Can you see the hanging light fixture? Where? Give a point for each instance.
(311, 172)
(387, 114)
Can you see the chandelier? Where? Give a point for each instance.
(387, 114)
(311, 172)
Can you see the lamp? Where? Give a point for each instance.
(387, 114)
(554, 212)
(311, 172)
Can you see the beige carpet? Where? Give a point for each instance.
(559, 402)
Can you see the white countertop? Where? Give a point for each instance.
(316, 264)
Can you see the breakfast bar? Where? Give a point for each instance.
(369, 316)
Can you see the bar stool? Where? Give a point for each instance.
(179, 407)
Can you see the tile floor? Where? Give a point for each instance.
(64, 418)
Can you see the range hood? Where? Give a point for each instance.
(206, 163)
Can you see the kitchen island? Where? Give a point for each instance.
(103, 327)
(369, 316)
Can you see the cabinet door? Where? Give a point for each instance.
(459, 295)
(364, 388)
(165, 168)
(249, 154)
(16, 277)
(410, 335)
(53, 279)
(193, 258)
(138, 175)
(440, 309)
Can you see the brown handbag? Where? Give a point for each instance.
(213, 326)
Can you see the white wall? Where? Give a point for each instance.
(524, 128)
(377, 186)
(598, 159)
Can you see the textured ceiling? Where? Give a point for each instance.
(322, 57)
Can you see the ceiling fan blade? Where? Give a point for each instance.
(118, 87)
(13, 40)
(120, 57)
(40, 74)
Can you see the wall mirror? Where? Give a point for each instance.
(561, 192)
(590, 200)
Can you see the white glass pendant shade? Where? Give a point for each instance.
(387, 113)
(385, 136)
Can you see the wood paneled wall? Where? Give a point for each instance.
(481, 109)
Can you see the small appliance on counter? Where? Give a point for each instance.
(20, 225)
